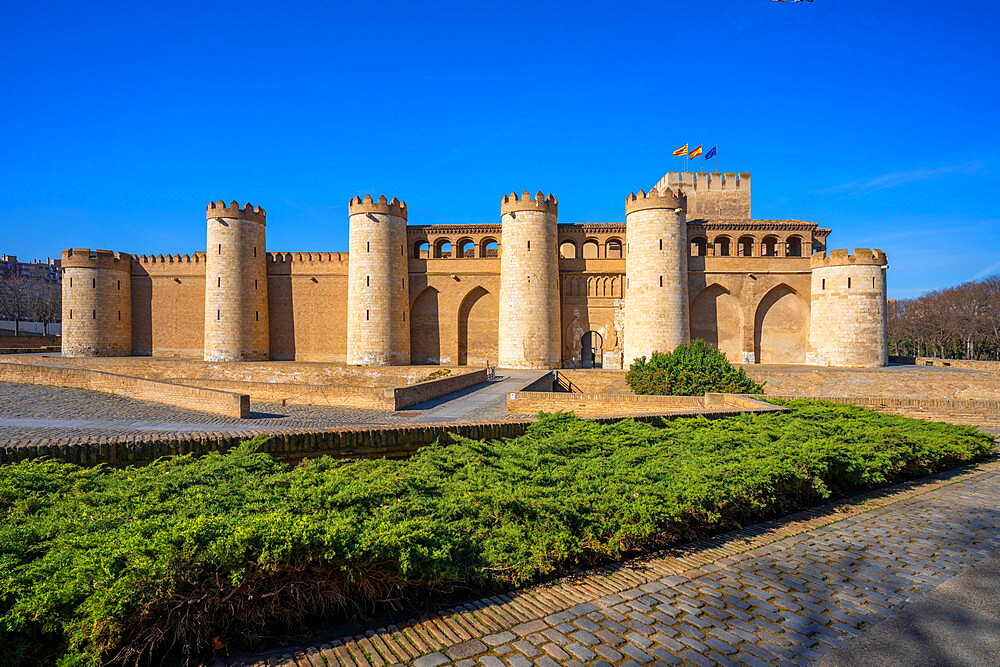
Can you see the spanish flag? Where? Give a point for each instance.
(695, 153)
(681, 151)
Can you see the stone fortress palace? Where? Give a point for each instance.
(526, 292)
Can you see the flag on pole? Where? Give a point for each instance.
(682, 150)
(711, 153)
(695, 153)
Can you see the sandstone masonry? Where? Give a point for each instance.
(527, 292)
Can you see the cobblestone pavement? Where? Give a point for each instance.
(38, 412)
(779, 593)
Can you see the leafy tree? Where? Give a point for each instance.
(690, 370)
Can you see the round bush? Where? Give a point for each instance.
(690, 370)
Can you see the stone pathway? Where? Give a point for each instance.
(779, 593)
(482, 402)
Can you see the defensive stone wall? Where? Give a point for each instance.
(656, 278)
(97, 303)
(236, 322)
(529, 282)
(847, 325)
(181, 396)
(378, 331)
(711, 195)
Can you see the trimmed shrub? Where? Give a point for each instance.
(690, 370)
(101, 565)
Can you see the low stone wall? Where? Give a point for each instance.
(981, 414)
(592, 381)
(589, 405)
(971, 364)
(29, 343)
(404, 397)
(190, 398)
(348, 396)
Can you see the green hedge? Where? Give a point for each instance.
(690, 370)
(98, 565)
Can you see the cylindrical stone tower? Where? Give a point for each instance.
(529, 326)
(378, 305)
(656, 294)
(96, 303)
(847, 319)
(236, 327)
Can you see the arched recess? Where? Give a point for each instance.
(699, 246)
(591, 249)
(488, 248)
(716, 318)
(793, 246)
(421, 250)
(769, 246)
(478, 335)
(425, 328)
(567, 250)
(613, 249)
(465, 248)
(722, 246)
(780, 331)
(442, 248)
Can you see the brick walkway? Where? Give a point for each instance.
(782, 592)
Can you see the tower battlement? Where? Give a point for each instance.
(512, 204)
(248, 212)
(706, 181)
(711, 195)
(382, 205)
(85, 258)
(843, 257)
(665, 198)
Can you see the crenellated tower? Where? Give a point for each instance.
(378, 329)
(529, 327)
(96, 303)
(236, 325)
(710, 195)
(847, 324)
(656, 295)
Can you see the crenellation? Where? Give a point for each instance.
(688, 261)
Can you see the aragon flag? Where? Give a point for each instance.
(695, 153)
(711, 153)
(682, 150)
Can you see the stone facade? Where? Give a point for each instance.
(656, 295)
(235, 284)
(377, 331)
(469, 294)
(848, 326)
(529, 282)
(96, 303)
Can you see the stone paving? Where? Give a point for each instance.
(779, 593)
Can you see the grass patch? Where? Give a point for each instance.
(434, 375)
(100, 565)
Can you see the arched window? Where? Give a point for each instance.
(442, 248)
(699, 246)
(722, 246)
(744, 247)
(421, 249)
(488, 248)
(794, 247)
(614, 249)
(567, 250)
(466, 248)
(591, 250)
(769, 247)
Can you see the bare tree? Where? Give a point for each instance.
(15, 299)
(46, 307)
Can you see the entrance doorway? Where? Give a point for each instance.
(593, 350)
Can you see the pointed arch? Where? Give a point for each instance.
(717, 319)
(425, 328)
(478, 337)
(781, 327)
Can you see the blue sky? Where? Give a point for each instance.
(120, 122)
